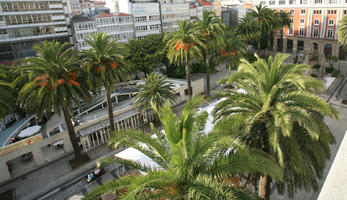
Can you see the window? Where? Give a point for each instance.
(292, 12)
(331, 22)
(317, 12)
(302, 21)
(330, 33)
(303, 1)
(332, 1)
(282, 2)
(154, 18)
(154, 27)
(317, 1)
(302, 12)
(301, 31)
(290, 32)
(316, 22)
(291, 1)
(271, 2)
(315, 32)
(332, 12)
(140, 19)
(345, 11)
(141, 28)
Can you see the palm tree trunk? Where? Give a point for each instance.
(110, 108)
(259, 47)
(188, 80)
(207, 60)
(71, 131)
(264, 182)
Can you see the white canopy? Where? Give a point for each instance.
(137, 156)
(29, 131)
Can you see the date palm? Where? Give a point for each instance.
(265, 18)
(211, 30)
(233, 50)
(342, 31)
(248, 29)
(105, 65)
(282, 116)
(53, 84)
(154, 92)
(183, 46)
(193, 164)
(284, 19)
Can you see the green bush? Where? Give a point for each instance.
(329, 70)
(316, 66)
(336, 73)
(314, 75)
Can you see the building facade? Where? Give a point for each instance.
(315, 24)
(26, 23)
(118, 27)
(147, 14)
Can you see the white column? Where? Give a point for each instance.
(324, 23)
(132, 121)
(102, 136)
(309, 23)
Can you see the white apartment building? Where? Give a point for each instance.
(147, 14)
(119, 27)
(25, 23)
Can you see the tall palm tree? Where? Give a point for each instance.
(211, 30)
(6, 96)
(342, 31)
(233, 50)
(53, 84)
(193, 164)
(154, 92)
(183, 46)
(282, 116)
(105, 65)
(284, 19)
(266, 20)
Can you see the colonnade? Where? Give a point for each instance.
(102, 135)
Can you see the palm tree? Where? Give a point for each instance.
(183, 47)
(282, 116)
(154, 92)
(248, 29)
(342, 31)
(193, 164)
(233, 50)
(266, 20)
(211, 30)
(285, 20)
(105, 65)
(53, 84)
(6, 96)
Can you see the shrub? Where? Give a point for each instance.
(329, 70)
(336, 73)
(314, 75)
(316, 66)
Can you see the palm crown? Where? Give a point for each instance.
(194, 165)
(342, 31)
(280, 114)
(155, 91)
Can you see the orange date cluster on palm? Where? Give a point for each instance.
(207, 34)
(114, 65)
(184, 46)
(226, 53)
(44, 80)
